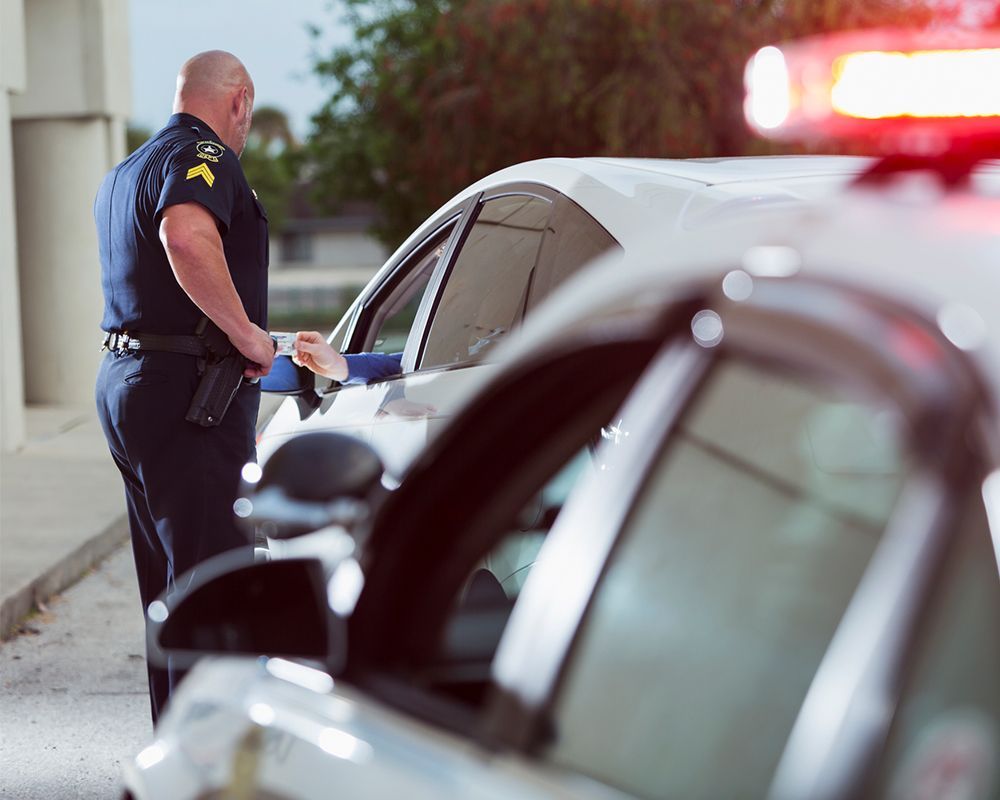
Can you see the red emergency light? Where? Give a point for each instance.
(910, 89)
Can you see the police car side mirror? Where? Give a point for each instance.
(288, 378)
(312, 481)
(274, 608)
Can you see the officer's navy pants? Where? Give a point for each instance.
(180, 479)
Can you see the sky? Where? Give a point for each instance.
(269, 36)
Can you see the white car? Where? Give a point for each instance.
(470, 274)
(725, 522)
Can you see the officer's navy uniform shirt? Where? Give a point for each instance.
(184, 162)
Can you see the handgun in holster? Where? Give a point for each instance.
(221, 371)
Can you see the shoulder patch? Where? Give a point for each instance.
(209, 150)
(201, 171)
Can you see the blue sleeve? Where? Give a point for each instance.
(365, 367)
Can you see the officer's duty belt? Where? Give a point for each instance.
(131, 342)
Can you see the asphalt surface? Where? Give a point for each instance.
(74, 703)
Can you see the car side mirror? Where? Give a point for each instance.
(311, 481)
(273, 608)
(287, 377)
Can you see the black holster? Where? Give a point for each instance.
(221, 375)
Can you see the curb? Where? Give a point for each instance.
(64, 573)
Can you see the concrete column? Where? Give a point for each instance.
(12, 68)
(60, 163)
(68, 132)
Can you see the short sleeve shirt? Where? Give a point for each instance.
(184, 162)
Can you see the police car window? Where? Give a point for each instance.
(510, 561)
(482, 606)
(731, 575)
(396, 312)
(945, 735)
(505, 519)
(487, 290)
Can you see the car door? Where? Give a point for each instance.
(462, 290)
(523, 241)
(753, 547)
(378, 321)
(779, 550)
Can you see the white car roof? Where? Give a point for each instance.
(564, 173)
(936, 252)
(631, 196)
(628, 196)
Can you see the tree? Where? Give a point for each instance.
(135, 137)
(271, 161)
(434, 94)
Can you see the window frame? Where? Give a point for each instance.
(364, 314)
(395, 276)
(836, 334)
(973, 522)
(371, 665)
(412, 360)
(371, 316)
(892, 589)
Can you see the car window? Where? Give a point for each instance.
(460, 669)
(731, 575)
(572, 240)
(435, 603)
(945, 736)
(392, 334)
(487, 290)
(393, 311)
(512, 558)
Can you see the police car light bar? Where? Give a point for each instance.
(885, 84)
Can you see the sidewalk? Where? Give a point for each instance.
(62, 509)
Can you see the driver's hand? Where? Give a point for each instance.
(312, 352)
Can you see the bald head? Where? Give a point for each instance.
(215, 87)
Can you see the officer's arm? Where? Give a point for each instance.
(194, 248)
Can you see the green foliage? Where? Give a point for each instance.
(434, 94)
(135, 137)
(272, 160)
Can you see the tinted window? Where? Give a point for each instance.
(572, 240)
(392, 334)
(512, 558)
(730, 578)
(461, 668)
(945, 739)
(487, 290)
(397, 309)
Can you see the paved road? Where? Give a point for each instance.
(73, 703)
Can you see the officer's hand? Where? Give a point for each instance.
(312, 351)
(258, 348)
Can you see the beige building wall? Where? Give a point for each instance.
(68, 130)
(348, 249)
(333, 250)
(64, 98)
(61, 299)
(12, 78)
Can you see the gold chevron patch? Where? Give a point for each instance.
(201, 171)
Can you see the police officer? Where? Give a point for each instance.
(182, 236)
